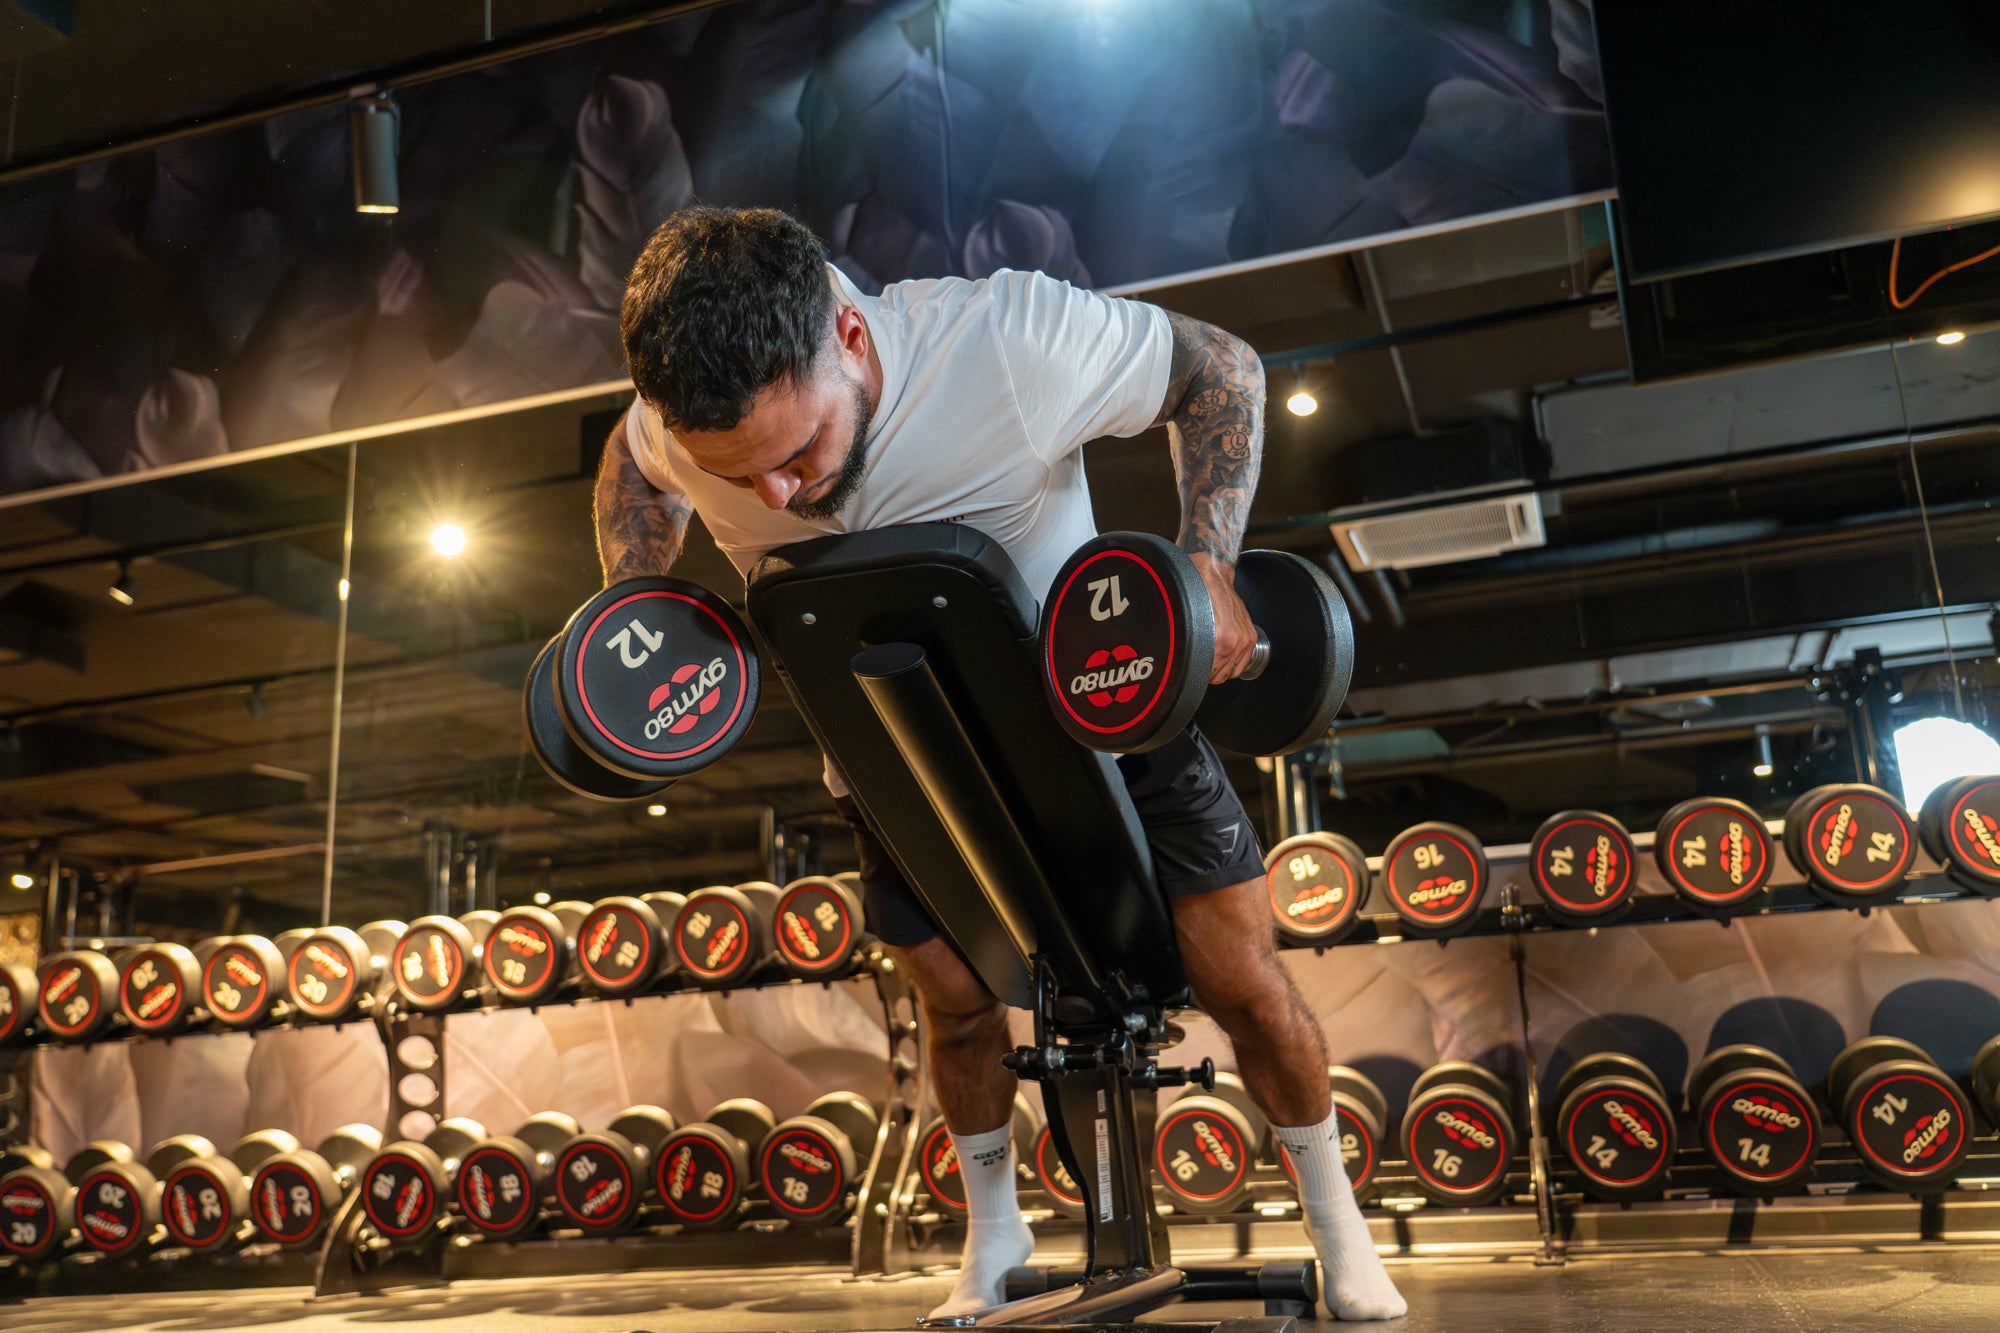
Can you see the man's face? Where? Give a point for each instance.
(801, 447)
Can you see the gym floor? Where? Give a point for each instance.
(1915, 1289)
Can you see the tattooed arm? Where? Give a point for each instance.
(639, 528)
(1214, 414)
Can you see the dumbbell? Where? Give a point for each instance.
(241, 976)
(652, 679)
(435, 965)
(1583, 863)
(819, 927)
(159, 988)
(76, 994)
(118, 1198)
(702, 1171)
(1907, 1118)
(293, 1194)
(500, 1185)
(1205, 1145)
(1458, 1133)
(19, 994)
(601, 1177)
(1715, 853)
(205, 1199)
(37, 1203)
(1435, 877)
(1616, 1126)
(1128, 638)
(1065, 1195)
(1853, 843)
(335, 971)
(1960, 827)
(1364, 1114)
(404, 1187)
(811, 1165)
(723, 935)
(1315, 884)
(937, 1157)
(621, 944)
(529, 957)
(1756, 1121)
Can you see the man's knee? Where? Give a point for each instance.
(955, 1001)
(1253, 1000)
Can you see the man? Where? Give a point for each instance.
(782, 404)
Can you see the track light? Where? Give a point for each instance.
(1764, 767)
(448, 539)
(125, 589)
(1301, 403)
(656, 810)
(1950, 339)
(374, 124)
(22, 880)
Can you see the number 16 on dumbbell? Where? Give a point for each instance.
(1128, 639)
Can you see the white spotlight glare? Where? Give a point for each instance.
(1933, 750)
(1302, 404)
(1950, 339)
(448, 539)
(656, 810)
(1764, 767)
(22, 881)
(542, 899)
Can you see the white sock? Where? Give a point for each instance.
(1352, 1278)
(996, 1236)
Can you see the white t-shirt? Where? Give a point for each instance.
(989, 387)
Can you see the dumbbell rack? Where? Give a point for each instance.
(354, 1260)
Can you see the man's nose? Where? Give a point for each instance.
(775, 489)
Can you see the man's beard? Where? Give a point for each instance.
(829, 505)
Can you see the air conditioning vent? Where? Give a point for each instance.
(1444, 534)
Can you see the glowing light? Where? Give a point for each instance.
(1951, 339)
(1764, 767)
(1934, 750)
(542, 898)
(1302, 404)
(124, 590)
(448, 539)
(656, 810)
(21, 881)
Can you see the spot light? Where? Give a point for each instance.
(1301, 403)
(124, 590)
(1764, 768)
(373, 125)
(542, 899)
(656, 810)
(1951, 339)
(448, 539)
(1933, 750)
(21, 880)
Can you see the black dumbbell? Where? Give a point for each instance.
(159, 988)
(435, 966)
(293, 1194)
(811, 1164)
(723, 936)
(241, 978)
(1205, 1145)
(500, 1185)
(819, 927)
(1960, 827)
(1756, 1121)
(337, 973)
(1854, 843)
(1458, 1133)
(1907, 1118)
(621, 943)
(1715, 853)
(118, 1198)
(1583, 864)
(205, 1200)
(1316, 883)
(937, 1157)
(37, 1203)
(405, 1187)
(1435, 877)
(601, 1177)
(19, 994)
(1128, 637)
(1364, 1115)
(1616, 1126)
(77, 994)
(528, 957)
(1065, 1196)
(704, 1172)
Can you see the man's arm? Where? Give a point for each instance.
(639, 527)
(1214, 414)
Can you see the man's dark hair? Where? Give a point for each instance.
(723, 303)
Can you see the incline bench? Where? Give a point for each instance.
(911, 653)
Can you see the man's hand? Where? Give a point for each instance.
(1235, 635)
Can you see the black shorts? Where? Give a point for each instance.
(1200, 837)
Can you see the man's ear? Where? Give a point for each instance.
(851, 332)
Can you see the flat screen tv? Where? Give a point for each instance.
(1748, 129)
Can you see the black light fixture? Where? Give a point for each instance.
(124, 590)
(375, 123)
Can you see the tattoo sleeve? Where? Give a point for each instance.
(639, 529)
(1214, 413)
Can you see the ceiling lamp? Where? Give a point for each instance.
(374, 124)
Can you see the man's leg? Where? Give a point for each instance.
(1232, 964)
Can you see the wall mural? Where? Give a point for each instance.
(220, 294)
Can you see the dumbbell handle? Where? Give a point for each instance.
(1260, 656)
